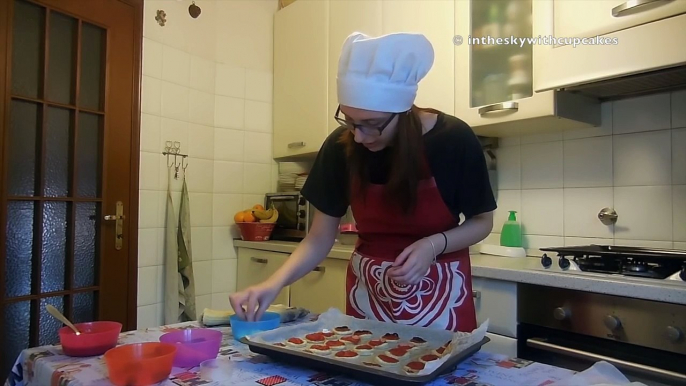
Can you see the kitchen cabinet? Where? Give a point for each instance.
(494, 79)
(308, 36)
(346, 17)
(317, 291)
(642, 33)
(500, 344)
(496, 300)
(301, 39)
(321, 289)
(254, 266)
(434, 19)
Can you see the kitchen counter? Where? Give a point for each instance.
(529, 270)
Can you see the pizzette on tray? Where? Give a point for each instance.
(385, 351)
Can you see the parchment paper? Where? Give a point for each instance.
(334, 318)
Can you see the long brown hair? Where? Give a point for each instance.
(406, 159)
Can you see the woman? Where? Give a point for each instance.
(408, 174)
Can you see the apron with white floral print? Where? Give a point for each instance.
(443, 297)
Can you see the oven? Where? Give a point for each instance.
(295, 215)
(574, 329)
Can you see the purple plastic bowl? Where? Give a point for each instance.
(193, 345)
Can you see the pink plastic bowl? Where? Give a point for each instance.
(95, 338)
(194, 345)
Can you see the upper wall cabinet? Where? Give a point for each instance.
(637, 36)
(434, 19)
(300, 78)
(494, 75)
(346, 17)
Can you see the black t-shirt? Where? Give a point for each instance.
(455, 159)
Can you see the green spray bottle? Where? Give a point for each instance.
(511, 234)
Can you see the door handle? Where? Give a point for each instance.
(635, 6)
(499, 107)
(259, 260)
(118, 219)
(662, 375)
(296, 144)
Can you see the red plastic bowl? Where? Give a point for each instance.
(95, 338)
(194, 345)
(256, 231)
(140, 364)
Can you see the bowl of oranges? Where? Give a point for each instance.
(256, 223)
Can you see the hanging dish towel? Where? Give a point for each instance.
(186, 281)
(171, 257)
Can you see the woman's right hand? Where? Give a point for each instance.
(250, 303)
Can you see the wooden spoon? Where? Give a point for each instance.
(58, 315)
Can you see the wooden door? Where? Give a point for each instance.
(69, 83)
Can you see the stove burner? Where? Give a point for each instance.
(627, 261)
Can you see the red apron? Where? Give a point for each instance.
(443, 297)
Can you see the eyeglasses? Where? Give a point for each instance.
(368, 130)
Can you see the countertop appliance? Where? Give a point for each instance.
(667, 264)
(295, 215)
(574, 329)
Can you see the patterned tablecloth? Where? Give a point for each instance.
(47, 365)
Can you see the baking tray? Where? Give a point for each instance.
(364, 373)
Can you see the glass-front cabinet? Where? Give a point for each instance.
(501, 67)
(494, 69)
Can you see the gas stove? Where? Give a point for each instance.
(652, 263)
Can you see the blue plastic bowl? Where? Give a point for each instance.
(241, 328)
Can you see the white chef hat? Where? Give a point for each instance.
(382, 73)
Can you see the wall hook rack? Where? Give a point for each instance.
(173, 148)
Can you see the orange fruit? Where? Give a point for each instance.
(248, 216)
(258, 207)
(239, 217)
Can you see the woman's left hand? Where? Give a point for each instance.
(413, 263)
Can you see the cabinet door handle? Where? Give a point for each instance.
(296, 144)
(259, 260)
(634, 6)
(319, 269)
(499, 107)
(476, 294)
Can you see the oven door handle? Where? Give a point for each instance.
(664, 375)
(281, 198)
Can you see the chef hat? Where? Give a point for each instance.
(382, 73)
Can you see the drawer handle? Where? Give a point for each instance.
(496, 107)
(296, 144)
(259, 260)
(476, 294)
(634, 6)
(319, 269)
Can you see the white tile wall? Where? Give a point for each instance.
(207, 83)
(635, 162)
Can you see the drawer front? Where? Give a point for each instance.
(322, 288)
(496, 300)
(607, 16)
(256, 266)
